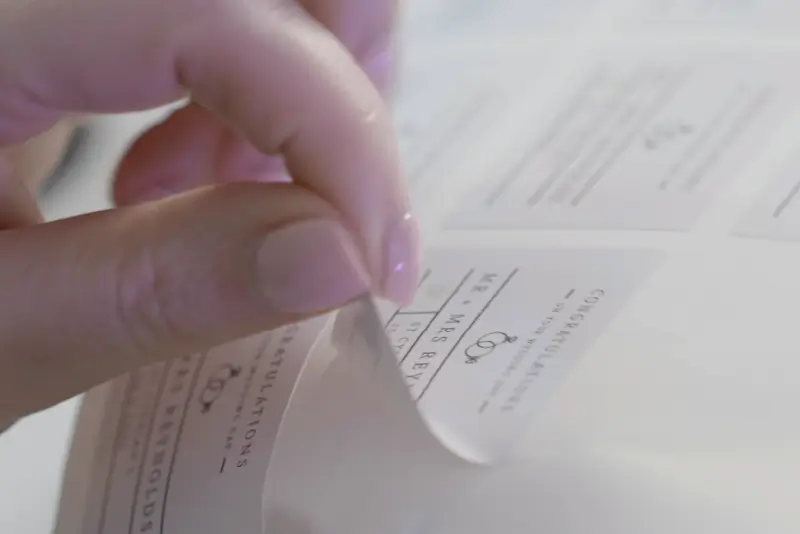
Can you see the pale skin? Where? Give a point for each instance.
(207, 245)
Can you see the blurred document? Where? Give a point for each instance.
(446, 106)
(397, 421)
(439, 21)
(776, 214)
(636, 145)
(764, 16)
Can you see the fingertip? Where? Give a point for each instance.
(401, 270)
(380, 64)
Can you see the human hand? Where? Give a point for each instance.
(230, 252)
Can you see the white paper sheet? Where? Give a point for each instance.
(194, 445)
(377, 449)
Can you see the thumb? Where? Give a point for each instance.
(99, 295)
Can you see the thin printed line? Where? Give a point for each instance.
(112, 469)
(145, 451)
(184, 415)
(400, 311)
(786, 202)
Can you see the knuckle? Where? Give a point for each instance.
(144, 305)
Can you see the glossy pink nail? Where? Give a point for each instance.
(380, 66)
(401, 271)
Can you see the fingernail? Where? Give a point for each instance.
(310, 266)
(401, 272)
(380, 65)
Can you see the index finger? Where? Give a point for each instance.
(291, 88)
(366, 28)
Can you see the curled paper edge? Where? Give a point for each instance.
(359, 335)
(356, 455)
